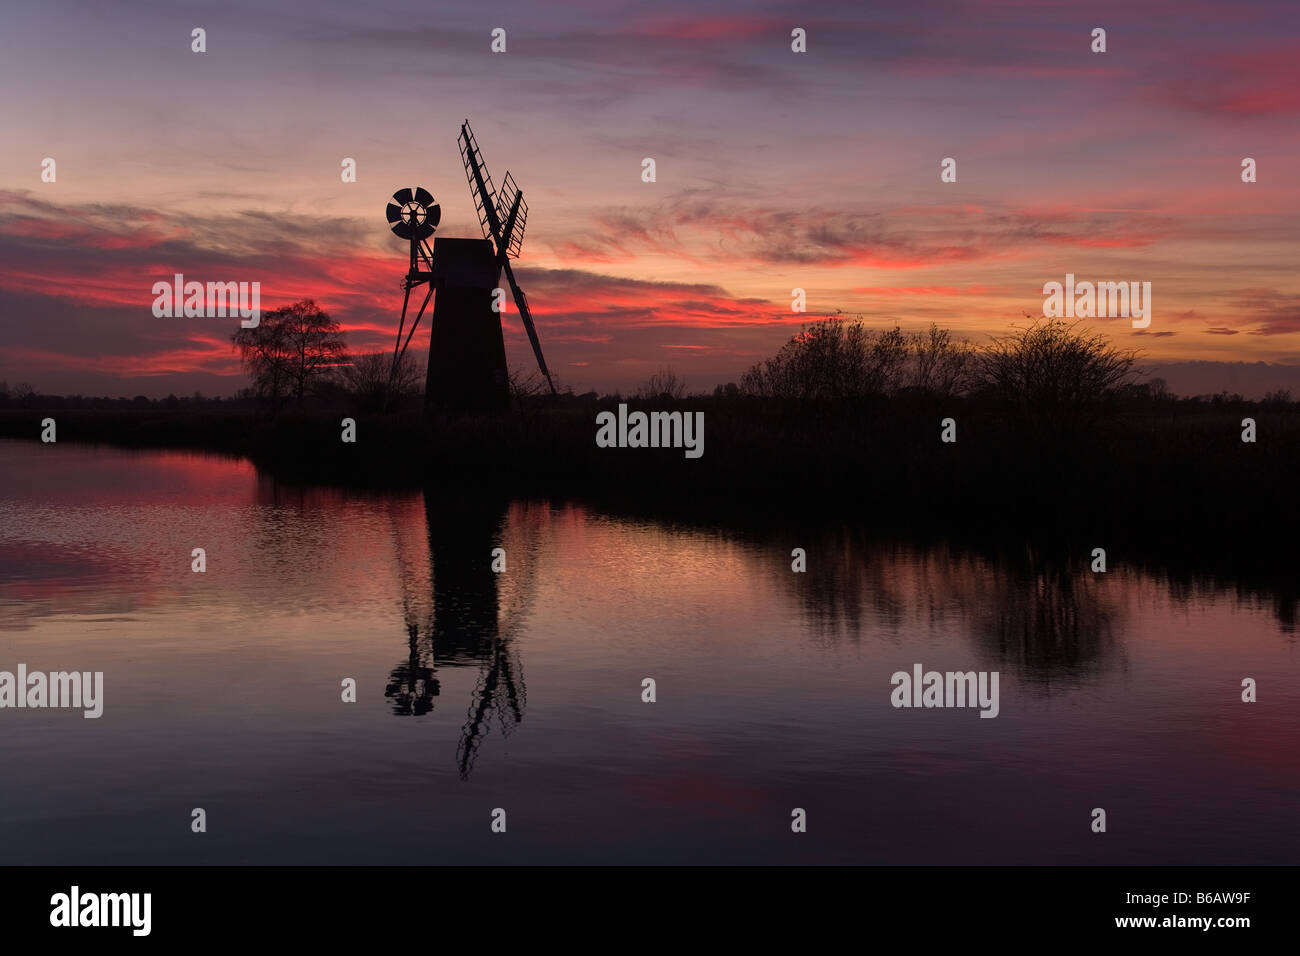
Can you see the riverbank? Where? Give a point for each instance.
(1185, 468)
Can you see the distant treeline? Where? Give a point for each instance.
(1049, 422)
(1047, 361)
(298, 355)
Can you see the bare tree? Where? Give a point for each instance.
(291, 350)
(24, 394)
(372, 379)
(663, 384)
(941, 365)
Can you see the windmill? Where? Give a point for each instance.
(503, 217)
(467, 361)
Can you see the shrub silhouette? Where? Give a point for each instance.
(374, 382)
(1056, 379)
(836, 360)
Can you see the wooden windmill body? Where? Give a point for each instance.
(467, 360)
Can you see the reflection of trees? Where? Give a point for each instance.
(1044, 613)
(848, 578)
(1263, 573)
(459, 612)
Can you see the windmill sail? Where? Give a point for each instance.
(526, 316)
(504, 227)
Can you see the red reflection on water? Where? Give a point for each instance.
(99, 476)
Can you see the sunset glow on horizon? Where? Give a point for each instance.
(775, 170)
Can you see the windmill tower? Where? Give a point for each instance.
(467, 358)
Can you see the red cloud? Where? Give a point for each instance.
(1258, 83)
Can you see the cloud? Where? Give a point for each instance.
(701, 230)
(1276, 312)
(1261, 82)
(91, 313)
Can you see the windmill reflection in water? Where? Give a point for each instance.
(459, 612)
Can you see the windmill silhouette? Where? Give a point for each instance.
(460, 613)
(467, 360)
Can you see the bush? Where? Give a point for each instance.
(1055, 377)
(836, 360)
(367, 378)
(664, 385)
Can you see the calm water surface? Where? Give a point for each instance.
(522, 690)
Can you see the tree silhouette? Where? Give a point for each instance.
(663, 384)
(290, 350)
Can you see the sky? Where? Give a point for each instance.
(774, 170)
